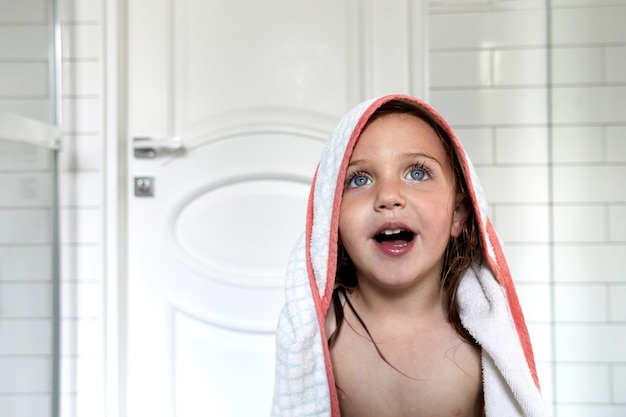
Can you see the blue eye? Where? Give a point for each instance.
(358, 180)
(417, 173)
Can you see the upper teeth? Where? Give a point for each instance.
(392, 231)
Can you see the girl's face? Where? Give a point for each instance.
(400, 205)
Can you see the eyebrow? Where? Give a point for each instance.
(410, 155)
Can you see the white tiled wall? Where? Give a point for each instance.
(541, 109)
(25, 289)
(82, 212)
(589, 106)
(26, 218)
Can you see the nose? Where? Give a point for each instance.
(389, 195)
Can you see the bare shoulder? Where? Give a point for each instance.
(429, 371)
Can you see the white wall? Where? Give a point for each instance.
(26, 216)
(541, 106)
(552, 161)
(25, 89)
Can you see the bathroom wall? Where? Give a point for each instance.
(26, 89)
(537, 96)
(27, 177)
(588, 146)
(83, 181)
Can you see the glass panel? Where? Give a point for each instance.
(27, 59)
(28, 253)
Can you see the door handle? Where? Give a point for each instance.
(147, 147)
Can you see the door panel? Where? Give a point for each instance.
(253, 88)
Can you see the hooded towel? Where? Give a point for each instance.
(489, 307)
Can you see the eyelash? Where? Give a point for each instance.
(352, 176)
(419, 166)
(423, 168)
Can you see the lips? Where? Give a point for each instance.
(394, 239)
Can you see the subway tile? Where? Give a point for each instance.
(82, 300)
(82, 189)
(467, 6)
(588, 25)
(456, 5)
(389, 78)
(25, 11)
(580, 303)
(523, 223)
(81, 374)
(82, 78)
(497, 107)
(36, 108)
(578, 144)
(615, 66)
(26, 263)
(521, 145)
(535, 300)
(573, 383)
(25, 337)
(619, 384)
(589, 263)
(582, 223)
(541, 340)
(67, 405)
(87, 263)
(617, 223)
(82, 153)
(587, 3)
(25, 375)
(487, 29)
(81, 336)
(444, 69)
(586, 410)
(589, 184)
(26, 300)
(80, 10)
(616, 143)
(23, 42)
(25, 225)
(617, 295)
(81, 41)
(514, 184)
(591, 343)
(22, 405)
(31, 190)
(82, 115)
(81, 225)
(478, 144)
(520, 67)
(589, 104)
(90, 401)
(20, 156)
(24, 79)
(522, 270)
(577, 65)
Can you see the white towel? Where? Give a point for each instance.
(489, 307)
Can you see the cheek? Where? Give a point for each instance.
(439, 217)
(350, 225)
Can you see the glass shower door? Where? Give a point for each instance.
(29, 316)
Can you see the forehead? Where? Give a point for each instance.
(397, 134)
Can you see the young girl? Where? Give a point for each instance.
(398, 299)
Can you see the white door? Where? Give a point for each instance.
(253, 88)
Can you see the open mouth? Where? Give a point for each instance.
(394, 236)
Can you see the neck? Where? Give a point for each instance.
(419, 302)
